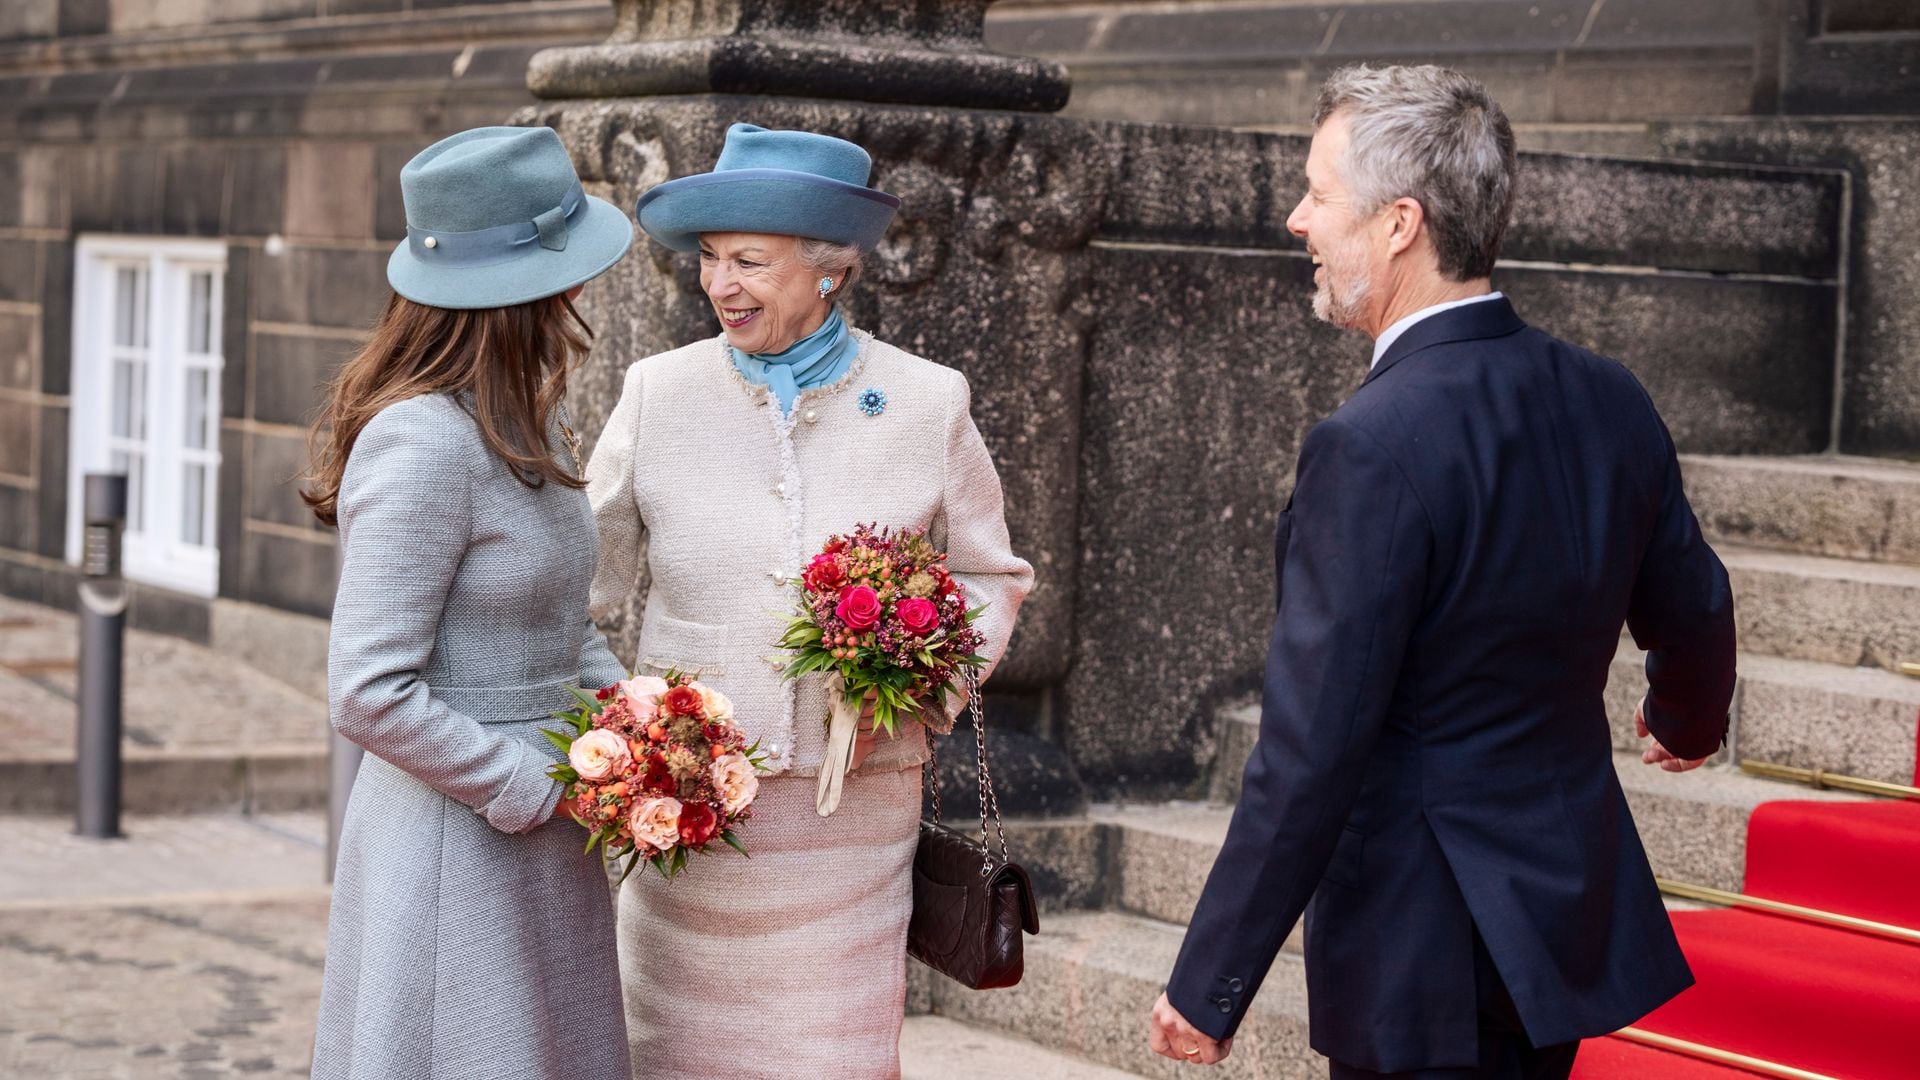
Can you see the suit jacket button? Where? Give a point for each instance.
(1236, 985)
(1226, 1006)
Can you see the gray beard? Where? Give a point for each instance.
(1344, 312)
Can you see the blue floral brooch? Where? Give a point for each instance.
(872, 402)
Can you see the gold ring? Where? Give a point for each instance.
(1191, 1050)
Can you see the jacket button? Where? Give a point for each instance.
(1226, 1006)
(1235, 985)
(812, 417)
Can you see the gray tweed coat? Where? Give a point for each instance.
(469, 935)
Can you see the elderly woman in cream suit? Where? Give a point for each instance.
(726, 465)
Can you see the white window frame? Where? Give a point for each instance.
(157, 554)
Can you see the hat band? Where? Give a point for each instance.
(501, 243)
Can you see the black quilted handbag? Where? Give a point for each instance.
(969, 908)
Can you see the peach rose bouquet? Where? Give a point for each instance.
(656, 769)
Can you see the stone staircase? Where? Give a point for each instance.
(1825, 559)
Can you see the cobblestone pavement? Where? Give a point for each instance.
(192, 948)
(177, 695)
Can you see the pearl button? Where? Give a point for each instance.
(775, 574)
(812, 417)
(431, 242)
(780, 489)
(774, 749)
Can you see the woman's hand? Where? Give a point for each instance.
(868, 735)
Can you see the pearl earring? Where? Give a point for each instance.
(826, 286)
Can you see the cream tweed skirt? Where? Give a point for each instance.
(789, 964)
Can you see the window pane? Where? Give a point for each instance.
(125, 373)
(199, 312)
(193, 506)
(127, 288)
(138, 403)
(197, 431)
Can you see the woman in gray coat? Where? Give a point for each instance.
(469, 936)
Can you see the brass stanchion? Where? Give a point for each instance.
(1724, 898)
(1714, 1053)
(1821, 778)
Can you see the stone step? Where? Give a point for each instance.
(1860, 721)
(1693, 825)
(257, 779)
(1092, 977)
(1836, 611)
(1838, 507)
(937, 1048)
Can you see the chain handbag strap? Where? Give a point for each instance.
(989, 800)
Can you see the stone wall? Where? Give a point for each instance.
(278, 127)
(1134, 318)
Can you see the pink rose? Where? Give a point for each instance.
(643, 695)
(734, 779)
(656, 822)
(919, 616)
(859, 608)
(599, 755)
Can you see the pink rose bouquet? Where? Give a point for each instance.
(879, 609)
(656, 769)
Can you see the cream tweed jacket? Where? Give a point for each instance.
(699, 473)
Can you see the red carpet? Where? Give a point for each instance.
(1617, 1059)
(1859, 859)
(1791, 992)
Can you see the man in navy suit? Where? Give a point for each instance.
(1434, 782)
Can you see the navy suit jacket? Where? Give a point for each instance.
(1466, 536)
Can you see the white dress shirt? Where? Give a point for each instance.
(1386, 340)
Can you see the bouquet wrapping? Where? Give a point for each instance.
(881, 615)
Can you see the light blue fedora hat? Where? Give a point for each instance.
(793, 183)
(495, 217)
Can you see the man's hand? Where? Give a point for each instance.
(1169, 1035)
(1656, 754)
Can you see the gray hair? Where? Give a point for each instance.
(1435, 136)
(827, 257)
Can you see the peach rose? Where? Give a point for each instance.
(656, 822)
(599, 755)
(734, 778)
(643, 695)
(715, 705)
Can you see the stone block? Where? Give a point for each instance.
(1734, 366)
(320, 286)
(139, 189)
(166, 612)
(1088, 978)
(1841, 508)
(194, 186)
(29, 19)
(43, 187)
(19, 350)
(389, 209)
(233, 511)
(1830, 610)
(1856, 721)
(56, 318)
(330, 190)
(293, 575)
(11, 195)
(1203, 376)
(274, 463)
(291, 373)
(236, 323)
(19, 270)
(289, 647)
(16, 515)
(1067, 860)
(256, 203)
(51, 498)
(1236, 731)
(1881, 396)
(19, 435)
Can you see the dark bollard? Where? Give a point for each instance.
(103, 629)
(343, 764)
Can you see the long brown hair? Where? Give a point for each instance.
(512, 360)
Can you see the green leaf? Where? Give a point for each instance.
(633, 860)
(564, 773)
(563, 741)
(587, 701)
(734, 842)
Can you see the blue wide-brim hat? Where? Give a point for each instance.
(791, 183)
(495, 217)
